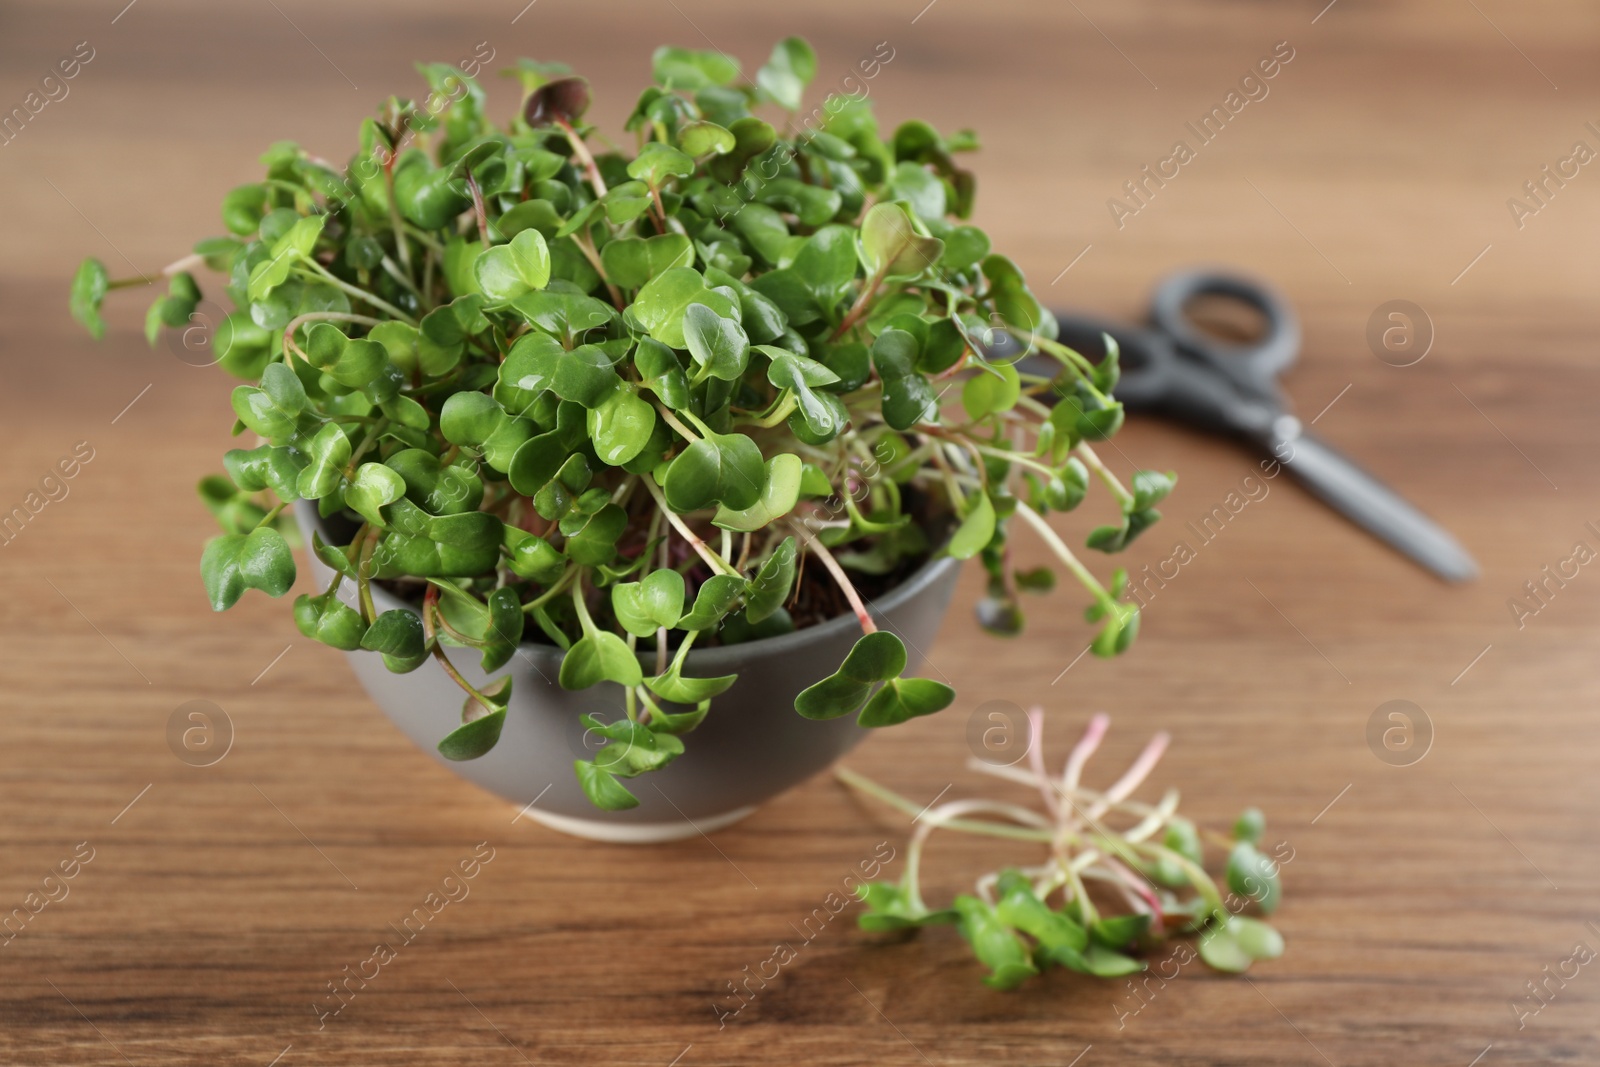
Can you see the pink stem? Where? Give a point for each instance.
(1136, 885)
(1036, 760)
(842, 580)
(1135, 774)
(1084, 749)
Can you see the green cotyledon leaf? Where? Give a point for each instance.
(505, 628)
(717, 343)
(706, 138)
(717, 596)
(723, 469)
(788, 71)
(800, 374)
(779, 495)
(683, 68)
(976, 529)
(672, 685)
(634, 749)
(327, 619)
(1019, 907)
(646, 606)
(631, 262)
(508, 271)
(375, 486)
(620, 424)
(481, 726)
(599, 656)
(996, 945)
(398, 635)
(908, 396)
(236, 562)
(1236, 942)
(902, 699)
(665, 300)
(602, 788)
(1253, 875)
(891, 907)
(891, 245)
(772, 584)
(88, 293)
(661, 372)
(475, 739)
(272, 409)
(294, 245)
(657, 163)
(876, 657)
(328, 453)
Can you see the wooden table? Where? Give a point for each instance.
(221, 901)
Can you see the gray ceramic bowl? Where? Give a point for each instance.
(751, 747)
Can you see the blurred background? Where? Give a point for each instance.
(1435, 888)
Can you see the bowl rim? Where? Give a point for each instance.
(937, 566)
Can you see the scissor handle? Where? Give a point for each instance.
(1254, 364)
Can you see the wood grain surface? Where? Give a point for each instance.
(220, 902)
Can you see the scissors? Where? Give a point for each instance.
(1173, 368)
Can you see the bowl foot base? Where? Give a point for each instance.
(640, 833)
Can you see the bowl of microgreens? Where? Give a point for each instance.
(595, 449)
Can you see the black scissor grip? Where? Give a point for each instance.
(1253, 365)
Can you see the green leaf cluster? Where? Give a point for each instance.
(623, 400)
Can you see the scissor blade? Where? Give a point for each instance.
(1370, 504)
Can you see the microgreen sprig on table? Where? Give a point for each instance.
(1150, 872)
(635, 403)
